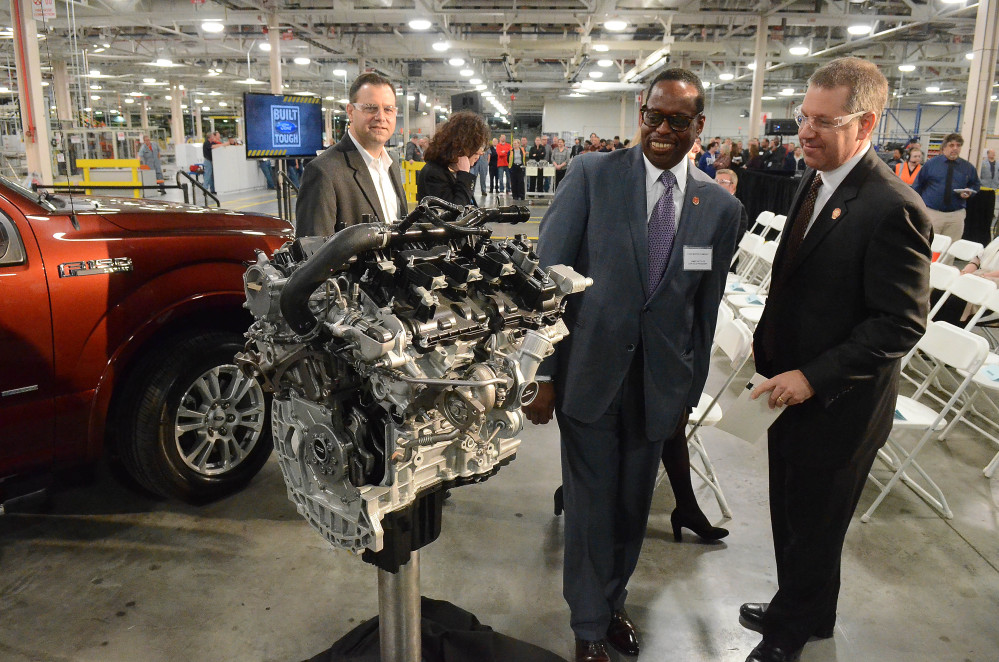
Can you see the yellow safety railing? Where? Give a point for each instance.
(409, 171)
(123, 164)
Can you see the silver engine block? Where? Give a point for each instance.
(398, 358)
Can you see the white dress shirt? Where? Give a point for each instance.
(831, 181)
(654, 188)
(378, 167)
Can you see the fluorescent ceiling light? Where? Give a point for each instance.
(99, 50)
(932, 89)
(250, 81)
(163, 62)
(605, 63)
(94, 97)
(420, 24)
(751, 66)
(969, 56)
(487, 94)
(616, 25)
(94, 73)
(106, 45)
(577, 94)
(344, 100)
(183, 106)
(95, 87)
(466, 72)
(706, 84)
(596, 74)
(787, 91)
(212, 26)
(339, 72)
(264, 46)
(168, 98)
(205, 108)
(601, 48)
(223, 104)
(798, 49)
(456, 62)
(129, 100)
(476, 81)
(45, 83)
(213, 93)
(302, 60)
(906, 67)
(148, 80)
(330, 98)
(859, 29)
(726, 76)
(768, 98)
(441, 46)
(135, 94)
(952, 2)
(199, 101)
(480, 87)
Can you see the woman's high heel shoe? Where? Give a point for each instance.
(699, 524)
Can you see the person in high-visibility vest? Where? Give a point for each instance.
(909, 168)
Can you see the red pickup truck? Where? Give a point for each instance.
(119, 319)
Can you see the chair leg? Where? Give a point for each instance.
(708, 474)
(937, 501)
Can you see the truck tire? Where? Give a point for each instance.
(192, 425)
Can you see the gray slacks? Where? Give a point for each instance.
(608, 475)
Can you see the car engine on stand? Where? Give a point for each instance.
(399, 357)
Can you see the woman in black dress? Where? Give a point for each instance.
(455, 147)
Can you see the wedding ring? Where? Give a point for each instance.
(781, 399)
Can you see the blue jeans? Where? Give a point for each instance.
(209, 176)
(503, 179)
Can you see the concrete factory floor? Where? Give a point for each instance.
(109, 575)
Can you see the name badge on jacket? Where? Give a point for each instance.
(697, 258)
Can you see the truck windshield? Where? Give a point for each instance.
(27, 193)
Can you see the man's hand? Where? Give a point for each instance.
(787, 388)
(541, 410)
(463, 164)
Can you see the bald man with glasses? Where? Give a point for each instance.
(356, 176)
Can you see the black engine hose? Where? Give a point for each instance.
(335, 253)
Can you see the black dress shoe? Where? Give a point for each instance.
(591, 651)
(697, 523)
(751, 618)
(766, 652)
(621, 633)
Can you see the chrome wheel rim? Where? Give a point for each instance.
(219, 420)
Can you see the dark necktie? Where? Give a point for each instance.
(948, 185)
(662, 231)
(801, 221)
(993, 164)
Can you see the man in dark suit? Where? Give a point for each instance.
(356, 176)
(848, 299)
(657, 236)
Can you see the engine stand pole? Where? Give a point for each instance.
(399, 612)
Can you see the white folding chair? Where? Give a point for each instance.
(963, 250)
(778, 223)
(734, 339)
(971, 289)
(942, 275)
(762, 221)
(980, 410)
(939, 246)
(945, 345)
(745, 255)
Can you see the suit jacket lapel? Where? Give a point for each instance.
(836, 209)
(634, 212)
(362, 177)
(799, 197)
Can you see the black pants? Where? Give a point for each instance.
(810, 511)
(493, 174)
(517, 181)
(559, 174)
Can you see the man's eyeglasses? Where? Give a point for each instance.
(824, 123)
(653, 118)
(726, 182)
(373, 108)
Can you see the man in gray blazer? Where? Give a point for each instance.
(356, 176)
(657, 236)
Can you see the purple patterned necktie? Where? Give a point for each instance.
(662, 231)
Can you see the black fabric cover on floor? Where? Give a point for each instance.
(450, 634)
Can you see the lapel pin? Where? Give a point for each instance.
(697, 200)
(836, 213)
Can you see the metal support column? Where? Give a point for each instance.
(176, 115)
(399, 612)
(756, 95)
(274, 38)
(144, 115)
(60, 86)
(34, 110)
(978, 101)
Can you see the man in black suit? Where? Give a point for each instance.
(847, 301)
(356, 176)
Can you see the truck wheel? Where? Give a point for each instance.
(193, 426)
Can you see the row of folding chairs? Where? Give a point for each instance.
(956, 381)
